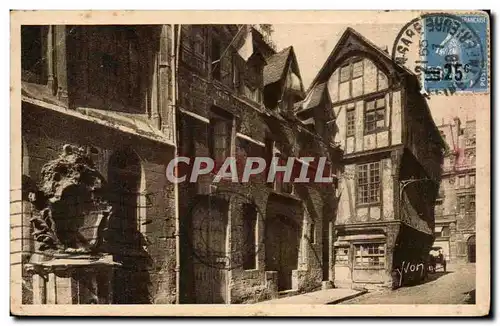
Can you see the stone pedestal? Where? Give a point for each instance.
(82, 279)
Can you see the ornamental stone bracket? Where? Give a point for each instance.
(71, 212)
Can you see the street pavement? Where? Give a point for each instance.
(330, 296)
(456, 286)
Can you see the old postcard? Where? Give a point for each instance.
(250, 163)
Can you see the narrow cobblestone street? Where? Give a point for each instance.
(456, 286)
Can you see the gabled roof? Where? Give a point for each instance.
(341, 44)
(314, 97)
(275, 67)
(278, 66)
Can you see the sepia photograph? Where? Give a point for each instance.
(162, 162)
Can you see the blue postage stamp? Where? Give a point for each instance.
(455, 51)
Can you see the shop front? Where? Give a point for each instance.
(361, 260)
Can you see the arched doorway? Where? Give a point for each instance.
(471, 249)
(131, 281)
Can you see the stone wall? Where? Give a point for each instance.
(247, 286)
(46, 132)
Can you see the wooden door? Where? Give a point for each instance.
(210, 262)
(282, 249)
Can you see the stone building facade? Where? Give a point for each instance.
(243, 242)
(97, 99)
(456, 203)
(372, 109)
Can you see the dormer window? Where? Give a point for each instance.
(253, 94)
(293, 83)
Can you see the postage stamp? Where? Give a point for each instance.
(199, 164)
(452, 51)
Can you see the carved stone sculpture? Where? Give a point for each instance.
(70, 204)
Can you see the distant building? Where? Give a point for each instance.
(456, 204)
(393, 151)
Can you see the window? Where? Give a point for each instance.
(472, 180)
(345, 73)
(368, 177)
(374, 115)
(249, 232)
(439, 208)
(186, 36)
(442, 231)
(470, 140)
(220, 138)
(461, 204)
(472, 203)
(194, 47)
(370, 255)
(472, 159)
(33, 48)
(342, 256)
(445, 232)
(357, 69)
(312, 233)
(114, 67)
(198, 41)
(351, 78)
(252, 93)
(216, 58)
(351, 122)
(279, 183)
(461, 181)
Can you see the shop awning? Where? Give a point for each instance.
(438, 229)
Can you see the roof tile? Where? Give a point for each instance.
(276, 64)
